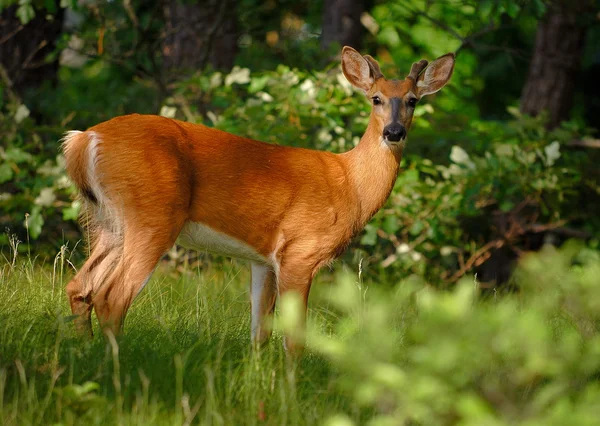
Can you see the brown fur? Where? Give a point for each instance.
(295, 206)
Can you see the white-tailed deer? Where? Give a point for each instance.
(147, 182)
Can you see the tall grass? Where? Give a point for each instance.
(185, 357)
(386, 354)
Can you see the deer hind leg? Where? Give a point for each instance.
(81, 288)
(263, 294)
(142, 249)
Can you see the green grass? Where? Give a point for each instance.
(383, 354)
(185, 356)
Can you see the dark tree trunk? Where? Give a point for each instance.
(341, 23)
(556, 61)
(24, 48)
(198, 34)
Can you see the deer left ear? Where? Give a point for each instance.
(356, 69)
(436, 75)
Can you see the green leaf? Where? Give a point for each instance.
(411, 175)
(16, 155)
(389, 36)
(514, 111)
(34, 222)
(72, 213)
(506, 205)
(416, 228)
(370, 236)
(25, 13)
(390, 224)
(257, 84)
(50, 6)
(486, 7)
(6, 172)
(512, 9)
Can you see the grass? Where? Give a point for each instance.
(405, 354)
(185, 356)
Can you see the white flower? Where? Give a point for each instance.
(344, 83)
(415, 256)
(215, 80)
(308, 87)
(403, 248)
(460, 156)
(21, 114)
(238, 75)
(46, 197)
(168, 111)
(446, 251)
(265, 96)
(552, 152)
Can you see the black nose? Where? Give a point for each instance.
(394, 132)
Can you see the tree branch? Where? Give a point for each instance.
(585, 143)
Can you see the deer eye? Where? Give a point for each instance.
(376, 100)
(412, 102)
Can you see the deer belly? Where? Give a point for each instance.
(198, 236)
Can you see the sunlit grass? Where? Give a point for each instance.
(185, 356)
(389, 353)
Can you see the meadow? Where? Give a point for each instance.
(377, 353)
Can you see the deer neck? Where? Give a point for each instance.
(373, 169)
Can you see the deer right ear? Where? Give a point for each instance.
(356, 69)
(436, 75)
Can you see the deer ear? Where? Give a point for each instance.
(374, 67)
(356, 69)
(436, 75)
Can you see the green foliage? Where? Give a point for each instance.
(418, 356)
(285, 106)
(33, 187)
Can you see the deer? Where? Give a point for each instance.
(147, 182)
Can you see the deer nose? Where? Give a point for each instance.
(394, 132)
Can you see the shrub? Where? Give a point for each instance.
(425, 357)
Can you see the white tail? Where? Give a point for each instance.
(148, 181)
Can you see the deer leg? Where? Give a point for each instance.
(80, 288)
(140, 256)
(295, 281)
(263, 294)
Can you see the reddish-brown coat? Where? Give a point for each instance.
(296, 208)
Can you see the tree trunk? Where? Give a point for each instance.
(24, 48)
(200, 33)
(556, 61)
(341, 23)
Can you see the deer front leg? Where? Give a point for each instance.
(294, 283)
(263, 294)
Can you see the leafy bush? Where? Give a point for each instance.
(419, 356)
(34, 190)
